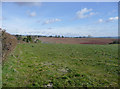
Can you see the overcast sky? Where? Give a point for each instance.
(60, 18)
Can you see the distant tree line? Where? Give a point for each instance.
(58, 36)
(30, 38)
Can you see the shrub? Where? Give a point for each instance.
(29, 38)
(25, 39)
(115, 42)
(37, 41)
(58, 36)
(50, 36)
(19, 37)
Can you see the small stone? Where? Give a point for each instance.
(49, 85)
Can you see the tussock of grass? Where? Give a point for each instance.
(61, 65)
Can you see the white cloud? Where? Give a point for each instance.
(84, 13)
(112, 19)
(51, 21)
(32, 14)
(29, 29)
(100, 20)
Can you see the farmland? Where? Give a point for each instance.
(61, 65)
(59, 44)
(77, 40)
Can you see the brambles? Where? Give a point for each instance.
(27, 39)
(9, 42)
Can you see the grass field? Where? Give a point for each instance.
(61, 65)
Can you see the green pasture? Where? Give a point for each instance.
(61, 65)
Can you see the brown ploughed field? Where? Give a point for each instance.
(77, 40)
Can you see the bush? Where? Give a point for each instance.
(50, 36)
(25, 39)
(29, 39)
(19, 37)
(115, 42)
(37, 41)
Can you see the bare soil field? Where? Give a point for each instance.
(77, 40)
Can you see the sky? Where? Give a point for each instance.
(97, 19)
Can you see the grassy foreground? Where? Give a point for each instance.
(61, 65)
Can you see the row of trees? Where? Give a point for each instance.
(29, 38)
(58, 36)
